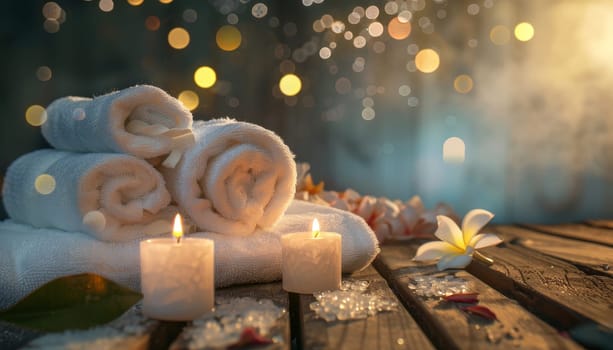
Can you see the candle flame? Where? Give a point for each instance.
(315, 228)
(177, 230)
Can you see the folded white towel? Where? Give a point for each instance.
(30, 257)
(142, 120)
(114, 197)
(238, 176)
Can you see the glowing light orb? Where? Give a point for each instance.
(106, 5)
(427, 60)
(205, 77)
(290, 85)
(189, 99)
(454, 150)
(52, 10)
(228, 38)
(43, 73)
(165, 1)
(375, 29)
(325, 53)
(398, 30)
(95, 220)
(178, 38)
(152, 23)
(500, 35)
(368, 113)
(524, 31)
(259, 10)
(44, 184)
(135, 2)
(463, 83)
(36, 115)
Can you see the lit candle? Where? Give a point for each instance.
(177, 276)
(311, 261)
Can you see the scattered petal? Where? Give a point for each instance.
(435, 250)
(449, 232)
(480, 311)
(454, 262)
(474, 221)
(250, 336)
(469, 298)
(484, 240)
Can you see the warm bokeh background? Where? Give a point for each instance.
(451, 100)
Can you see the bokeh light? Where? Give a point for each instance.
(368, 113)
(228, 38)
(152, 23)
(375, 29)
(259, 10)
(165, 1)
(43, 73)
(135, 2)
(51, 10)
(325, 53)
(205, 77)
(343, 85)
(44, 184)
(427, 60)
(106, 5)
(51, 26)
(190, 15)
(454, 150)
(500, 35)
(372, 12)
(359, 42)
(398, 30)
(524, 31)
(36, 115)
(463, 83)
(178, 38)
(189, 99)
(290, 85)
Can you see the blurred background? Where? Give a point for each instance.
(496, 104)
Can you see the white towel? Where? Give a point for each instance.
(238, 176)
(142, 120)
(30, 257)
(114, 197)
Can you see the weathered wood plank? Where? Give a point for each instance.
(554, 289)
(577, 231)
(590, 257)
(387, 330)
(272, 291)
(608, 224)
(449, 327)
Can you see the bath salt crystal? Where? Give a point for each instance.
(433, 286)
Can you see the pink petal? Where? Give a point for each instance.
(474, 221)
(480, 311)
(435, 250)
(449, 232)
(469, 298)
(453, 262)
(485, 240)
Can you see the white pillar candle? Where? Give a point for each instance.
(311, 261)
(177, 276)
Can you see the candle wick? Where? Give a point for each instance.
(178, 239)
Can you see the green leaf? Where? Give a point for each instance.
(73, 302)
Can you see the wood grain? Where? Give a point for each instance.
(451, 328)
(552, 288)
(608, 224)
(577, 231)
(590, 257)
(388, 330)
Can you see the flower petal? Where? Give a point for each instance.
(449, 232)
(435, 250)
(484, 240)
(454, 262)
(474, 221)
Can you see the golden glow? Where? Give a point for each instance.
(315, 228)
(524, 31)
(205, 77)
(500, 35)
(36, 115)
(427, 60)
(463, 83)
(178, 38)
(398, 30)
(52, 10)
(135, 2)
(152, 23)
(43, 73)
(454, 150)
(165, 1)
(290, 85)
(228, 38)
(177, 228)
(189, 99)
(44, 184)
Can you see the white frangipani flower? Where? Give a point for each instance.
(457, 246)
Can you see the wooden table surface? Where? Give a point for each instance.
(551, 287)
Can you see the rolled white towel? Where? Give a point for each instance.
(142, 120)
(31, 257)
(114, 197)
(238, 176)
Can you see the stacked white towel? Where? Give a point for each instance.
(238, 176)
(114, 197)
(142, 120)
(30, 257)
